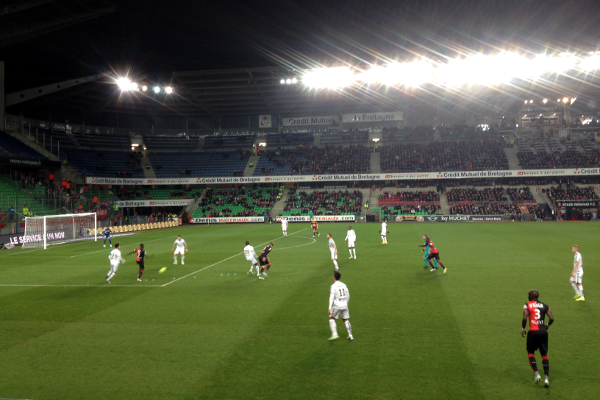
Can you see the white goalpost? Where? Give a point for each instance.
(41, 232)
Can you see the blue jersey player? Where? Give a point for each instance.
(106, 235)
(426, 255)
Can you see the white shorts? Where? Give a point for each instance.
(333, 255)
(283, 228)
(114, 267)
(578, 276)
(350, 243)
(383, 232)
(252, 261)
(180, 250)
(340, 312)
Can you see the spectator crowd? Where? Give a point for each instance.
(324, 202)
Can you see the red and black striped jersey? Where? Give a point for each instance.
(537, 315)
(432, 247)
(140, 254)
(265, 252)
(315, 225)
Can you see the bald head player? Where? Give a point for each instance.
(537, 338)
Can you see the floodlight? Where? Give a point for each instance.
(331, 78)
(545, 101)
(133, 86)
(525, 101)
(168, 90)
(124, 83)
(144, 88)
(156, 89)
(530, 101)
(565, 100)
(282, 81)
(573, 100)
(288, 81)
(294, 80)
(591, 63)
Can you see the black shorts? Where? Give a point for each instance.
(434, 255)
(264, 262)
(537, 340)
(141, 264)
(314, 228)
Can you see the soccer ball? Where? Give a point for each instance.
(163, 269)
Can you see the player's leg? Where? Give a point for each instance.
(346, 318)
(182, 257)
(425, 259)
(575, 286)
(544, 354)
(335, 264)
(437, 261)
(532, 346)
(332, 325)
(257, 269)
(104, 241)
(354, 250)
(112, 272)
(175, 257)
(110, 241)
(578, 279)
(350, 251)
(141, 271)
(429, 258)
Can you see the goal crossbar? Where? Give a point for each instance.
(43, 231)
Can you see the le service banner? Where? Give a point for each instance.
(450, 218)
(154, 203)
(299, 121)
(227, 220)
(320, 218)
(373, 117)
(532, 173)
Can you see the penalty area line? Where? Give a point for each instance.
(229, 258)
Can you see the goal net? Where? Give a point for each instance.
(41, 232)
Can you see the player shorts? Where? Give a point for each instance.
(180, 250)
(106, 237)
(426, 255)
(114, 267)
(578, 276)
(340, 312)
(314, 228)
(252, 261)
(383, 232)
(266, 262)
(537, 340)
(350, 243)
(333, 255)
(434, 255)
(141, 264)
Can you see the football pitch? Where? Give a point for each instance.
(209, 330)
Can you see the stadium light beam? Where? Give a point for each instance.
(124, 84)
(156, 89)
(168, 90)
(329, 78)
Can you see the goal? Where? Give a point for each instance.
(41, 232)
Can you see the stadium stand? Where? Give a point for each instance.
(314, 160)
(221, 142)
(157, 194)
(520, 194)
(184, 143)
(410, 210)
(486, 209)
(344, 138)
(565, 159)
(9, 146)
(238, 202)
(413, 133)
(59, 139)
(323, 203)
(217, 163)
(469, 196)
(443, 156)
(424, 197)
(96, 141)
(585, 193)
(290, 139)
(105, 163)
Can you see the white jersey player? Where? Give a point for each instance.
(577, 274)
(284, 225)
(115, 259)
(351, 238)
(181, 249)
(339, 297)
(383, 232)
(251, 256)
(333, 250)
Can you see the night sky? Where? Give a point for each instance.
(155, 38)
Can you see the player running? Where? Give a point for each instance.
(141, 255)
(333, 250)
(106, 233)
(284, 225)
(383, 232)
(433, 253)
(315, 226)
(115, 259)
(251, 256)
(426, 255)
(339, 297)
(181, 249)
(351, 238)
(264, 260)
(577, 275)
(537, 337)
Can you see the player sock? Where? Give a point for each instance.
(268, 266)
(333, 327)
(441, 265)
(354, 250)
(546, 365)
(175, 258)
(437, 264)
(257, 269)
(581, 290)
(575, 288)
(533, 363)
(348, 328)
(140, 274)
(335, 264)
(182, 258)
(109, 241)
(350, 251)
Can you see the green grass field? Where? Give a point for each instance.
(208, 330)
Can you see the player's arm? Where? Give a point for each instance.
(575, 266)
(331, 297)
(173, 249)
(335, 247)
(186, 249)
(550, 318)
(524, 323)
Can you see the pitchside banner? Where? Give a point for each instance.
(320, 218)
(226, 220)
(532, 173)
(450, 218)
(373, 117)
(18, 239)
(153, 203)
(299, 121)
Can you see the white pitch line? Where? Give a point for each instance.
(106, 285)
(122, 244)
(229, 258)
